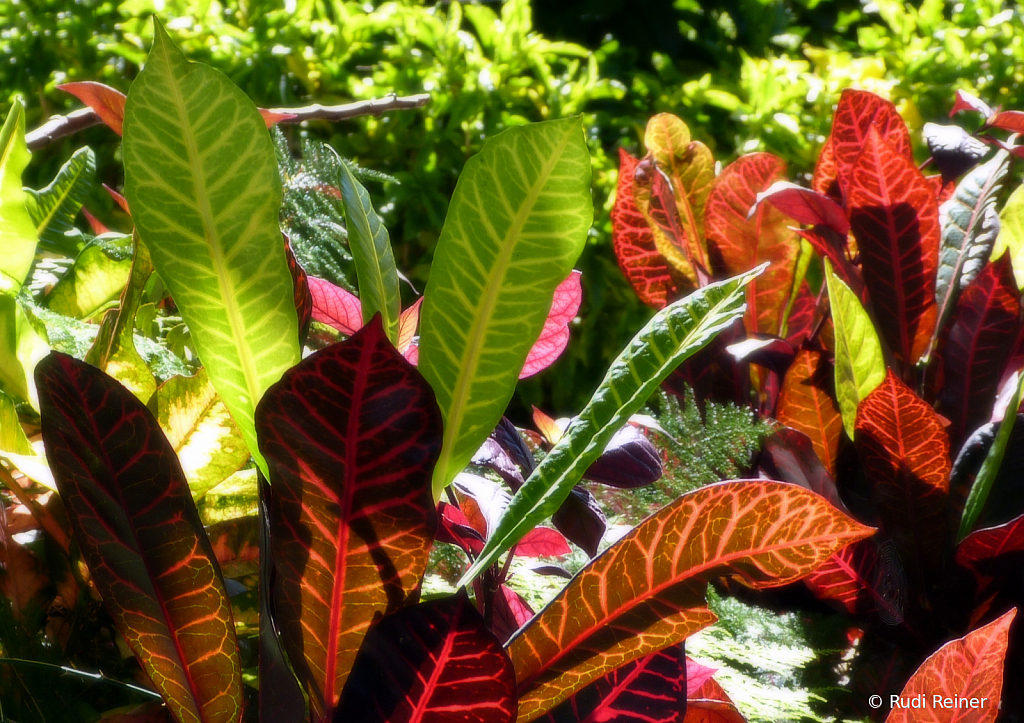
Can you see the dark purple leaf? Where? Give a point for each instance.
(493, 456)
(629, 461)
(430, 663)
(581, 520)
(954, 150)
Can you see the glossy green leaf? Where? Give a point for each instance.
(674, 334)
(97, 277)
(21, 348)
(198, 426)
(860, 366)
(986, 476)
(967, 221)
(114, 350)
(371, 251)
(54, 208)
(17, 232)
(1011, 233)
(15, 448)
(201, 178)
(515, 227)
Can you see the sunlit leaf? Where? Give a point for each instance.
(554, 337)
(17, 231)
(107, 102)
(97, 277)
(807, 404)
(1011, 233)
(515, 227)
(55, 207)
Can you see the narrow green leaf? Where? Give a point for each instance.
(371, 251)
(201, 178)
(1011, 233)
(860, 366)
(95, 279)
(17, 232)
(968, 221)
(21, 348)
(516, 225)
(986, 476)
(674, 334)
(54, 208)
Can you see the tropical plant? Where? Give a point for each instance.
(148, 369)
(887, 377)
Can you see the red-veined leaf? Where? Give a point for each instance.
(807, 404)
(804, 206)
(824, 179)
(542, 542)
(831, 246)
(408, 325)
(646, 592)
(905, 451)
(696, 675)
(651, 689)
(430, 663)
(861, 580)
(789, 456)
(711, 704)
(744, 243)
(656, 201)
(800, 324)
(554, 337)
(104, 100)
(334, 306)
(895, 219)
(351, 435)
(857, 113)
(509, 612)
(633, 241)
(986, 316)
(967, 668)
(140, 534)
(481, 500)
(966, 101)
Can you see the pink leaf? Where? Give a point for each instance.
(336, 307)
(555, 335)
(804, 206)
(966, 101)
(542, 542)
(696, 674)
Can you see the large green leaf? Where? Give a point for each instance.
(1011, 233)
(21, 348)
(17, 232)
(860, 366)
(201, 178)
(372, 254)
(54, 208)
(968, 232)
(95, 279)
(515, 227)
(675, 333)
(15, 448)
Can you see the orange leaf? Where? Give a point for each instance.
(107, 102)
(807, 404)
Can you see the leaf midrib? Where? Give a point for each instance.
(478, 331)
(59, 201)
(227, 290)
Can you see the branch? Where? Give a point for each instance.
(60, 126)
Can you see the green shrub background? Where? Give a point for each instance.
(746, 75)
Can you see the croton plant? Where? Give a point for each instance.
(204, 356)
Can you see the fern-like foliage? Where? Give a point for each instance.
(701, 449)
(312, 212)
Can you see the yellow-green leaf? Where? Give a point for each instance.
(17, 232)
(95, 279)
(1011, 233)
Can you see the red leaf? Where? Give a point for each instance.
(905, 452)
(95, 224)
(696, 675)
(542, 542)
(857, 113)
(270, 117)
(633, 242)
(303, 298)
(800, 323)
(805, 206)
(107, 102)
(744, 243)
(895, 219)
(554, 337)
(456, 529)
(966, 101)
(430, 663)
(968, 668)
(859, 580)
(629, 461)
(334, 306)
(986, 316)
(482, 501)
(993, 550)
(711, 704)
(1007, 120)
(833, 247)
(120, 200)
(789, 456)
(549, 428)
(351, 435)
(509, 612)
(807, 404)
(649, 690)
(133, 516)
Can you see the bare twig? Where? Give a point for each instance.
(60, 126)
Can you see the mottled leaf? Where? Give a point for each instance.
(351, 512)
(646, 592)
(96, 278)
(133, 517)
